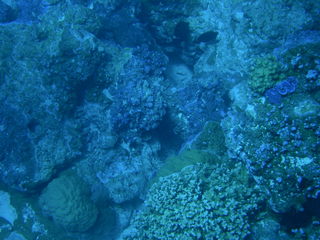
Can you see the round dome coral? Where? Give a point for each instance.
(66, 201)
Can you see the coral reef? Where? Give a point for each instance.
(279, 143)
(269, 145)
(31, 157)
(193, 119)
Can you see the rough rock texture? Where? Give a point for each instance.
(32, 154)
(139, 104)
(62, 59)
(124, 175)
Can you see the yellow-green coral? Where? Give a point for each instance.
(174, 164)
(265, 73)
(211, 138)
(207, 147)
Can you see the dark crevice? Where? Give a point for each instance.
(301, 218)
(170, 142)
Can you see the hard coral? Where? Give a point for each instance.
(265, 73)
(200, 202)
(65, 200)
(282, 88)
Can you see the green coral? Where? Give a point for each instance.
(200, 202)
(211, 138)
(265, 73)
(174, 164)
(208, 147)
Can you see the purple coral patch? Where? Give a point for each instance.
(285, 87)
(273, 96)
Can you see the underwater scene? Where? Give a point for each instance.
(159, 120)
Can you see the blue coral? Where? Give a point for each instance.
(283, 88)
(273, 96)
(286, 86)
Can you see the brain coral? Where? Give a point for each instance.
(66, 201)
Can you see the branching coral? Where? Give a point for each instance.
(200, 202)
